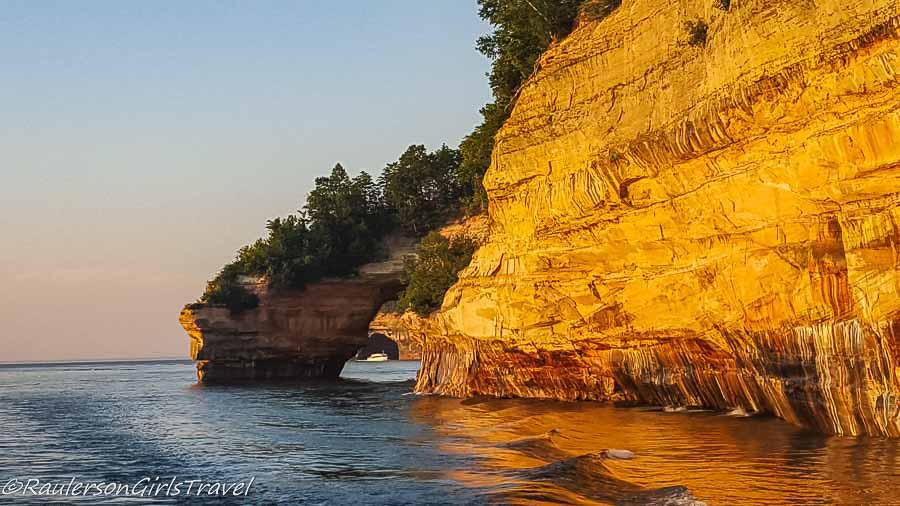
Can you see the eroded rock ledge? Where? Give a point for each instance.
(399, 328)
(293, 334)
(713, 225)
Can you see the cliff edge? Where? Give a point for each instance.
(695, 203)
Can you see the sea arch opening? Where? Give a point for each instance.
(378, 342)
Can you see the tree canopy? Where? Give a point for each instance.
(423, 188)
(338, 229)
(344, 219)
(347, 218)
(433, 271)
(522, 31)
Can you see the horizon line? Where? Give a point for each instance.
(95, 360)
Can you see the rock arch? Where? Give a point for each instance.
(294, 334)
(379, 343)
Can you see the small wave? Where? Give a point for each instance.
(686, 409)
(666, 496)
(377, 381)
(477, 400)
(542, 447)
(588, 465)
(590, 477)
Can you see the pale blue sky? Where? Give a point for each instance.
(142, 143)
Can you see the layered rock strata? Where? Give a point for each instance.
(706, 222)
(402, 329)
(408, 329)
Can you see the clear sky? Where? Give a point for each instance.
(142, 143)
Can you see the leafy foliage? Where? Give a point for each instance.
(523, 30)
(347, 217)
(344, 219)
(226, 290)
(698, 31)
(423, 188)
(598, 9)
(285, 258)
(475, 151)
(434, 269)
(338, 230)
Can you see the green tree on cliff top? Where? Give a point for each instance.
(422, 188)
(433, 271)
(522, 31)
(339, 229)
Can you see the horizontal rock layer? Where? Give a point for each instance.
(711, 224)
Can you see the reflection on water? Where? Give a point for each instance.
(368, 440)
(720, 459)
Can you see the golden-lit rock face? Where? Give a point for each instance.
(403, 329)
(713, 224)
(408, 329)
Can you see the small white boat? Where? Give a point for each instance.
(377, 357)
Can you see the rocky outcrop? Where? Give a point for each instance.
(706, 221)
(403, 329)
(293, 334)
(408, 329)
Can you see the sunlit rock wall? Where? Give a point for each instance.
(711, 224)
(403, 329)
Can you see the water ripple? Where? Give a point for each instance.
(366, 440)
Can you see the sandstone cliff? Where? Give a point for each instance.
(712, 222)
(408, 329)
(293, 334)
(403, 329)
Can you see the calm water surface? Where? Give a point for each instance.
(366, 440)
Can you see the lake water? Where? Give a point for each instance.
(366, 440)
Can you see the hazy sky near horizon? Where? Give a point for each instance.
(142, 143)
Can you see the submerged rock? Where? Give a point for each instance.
(712, 225)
